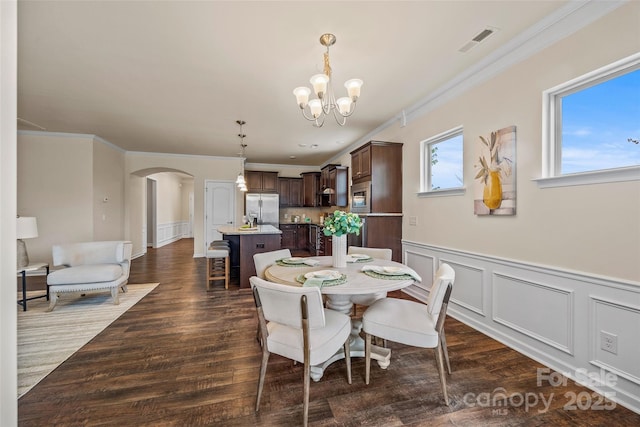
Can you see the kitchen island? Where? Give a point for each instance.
(245, 242)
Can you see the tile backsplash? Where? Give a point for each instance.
(287, 214)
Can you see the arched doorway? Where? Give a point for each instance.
(160, 207)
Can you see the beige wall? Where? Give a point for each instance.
(186, 189)
(108, 192)
(169, 197)
(592, 228)
(55, 184)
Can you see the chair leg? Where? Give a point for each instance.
(367, 358)
(53, 299)
(443, 379)
(443, 341)
(307, 381)
(114, 295)
(259, 335)
(263, 371)
(226, 273)
(347, 357)
(208, 273)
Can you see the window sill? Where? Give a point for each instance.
(631, 173)
(440, 193)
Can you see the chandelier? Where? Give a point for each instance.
(326, 102)
(240, 181)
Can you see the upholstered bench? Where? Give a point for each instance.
(90, 266)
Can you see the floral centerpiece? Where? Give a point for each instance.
(339, 225)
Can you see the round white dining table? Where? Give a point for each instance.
(341, 298)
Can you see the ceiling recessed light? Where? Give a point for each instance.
(339, 142)
(302, 145)
(292, 157)
(314, 146)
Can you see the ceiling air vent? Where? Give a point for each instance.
(477, 39)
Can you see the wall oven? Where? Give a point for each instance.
(361, 197)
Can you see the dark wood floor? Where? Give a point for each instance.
(187, 357)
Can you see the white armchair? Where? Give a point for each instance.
(90, 266)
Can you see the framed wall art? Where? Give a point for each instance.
(495, 180)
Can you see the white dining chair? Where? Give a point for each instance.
(265, 259)
(262, 261)
(295, 325)
(378, 253)
(412, 323)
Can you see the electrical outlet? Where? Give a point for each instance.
(609, 342)
(413, 220)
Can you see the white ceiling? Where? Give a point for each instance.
(174, 76)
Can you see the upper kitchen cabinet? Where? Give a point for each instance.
(334, 181)
(261, 182)
(361, 164)
(380, 163)
(310, 189)
(290, 191)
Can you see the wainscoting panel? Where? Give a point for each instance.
(621, 321)
(469, 286)
(424, 265)
(172, 231)
(540, 311)
(551, 315)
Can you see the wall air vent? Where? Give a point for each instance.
(477, 39)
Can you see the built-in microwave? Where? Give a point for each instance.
(361, 197)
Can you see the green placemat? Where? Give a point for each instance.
(377, 275)
(333, 282)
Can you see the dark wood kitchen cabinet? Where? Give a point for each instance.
(380, 163)
(295, 236)
(310, 189)
(290, 191)
(261, 182)
(334, 181)
(361, 164)
(380, 231)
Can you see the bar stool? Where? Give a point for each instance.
(218, 262)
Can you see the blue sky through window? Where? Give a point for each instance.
(447, 172)
(596, 123)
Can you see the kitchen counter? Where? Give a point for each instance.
(260, 229)
(246, 243)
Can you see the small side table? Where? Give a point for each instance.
(23, 271)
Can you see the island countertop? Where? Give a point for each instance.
(260, 229)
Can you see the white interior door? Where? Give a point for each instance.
(220, 208)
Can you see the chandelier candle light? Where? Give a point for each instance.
(326, 102)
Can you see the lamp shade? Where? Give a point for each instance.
(26, 227)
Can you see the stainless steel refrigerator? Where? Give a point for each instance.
(264, 207)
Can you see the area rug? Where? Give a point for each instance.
(46, 339)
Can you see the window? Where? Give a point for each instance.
(592, 126)
(441, 168)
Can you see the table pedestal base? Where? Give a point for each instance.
(343, 304)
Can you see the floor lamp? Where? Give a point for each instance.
(26, 228)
